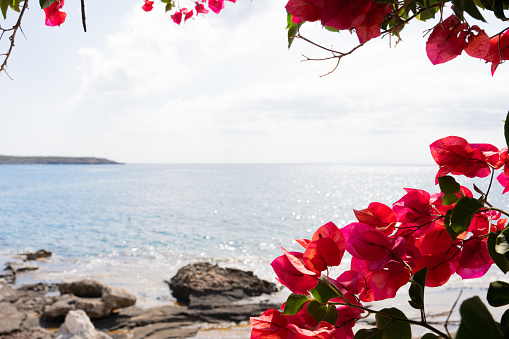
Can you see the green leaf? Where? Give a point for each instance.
(506, 129)
(502, 242)
(294, 303)
(46, 3)
(500, 260)
(169, 6)
(504, 321)
(430, 336)
(4, 5)
(448, 185)
(461, 216)
(393, 329)
(450, 199)
(312, 307)
(498, 293)
(459, 8)
(320, 313)
(416, 291)
(476, 321)
(332, 315)
(292, 32)
(331, 29)
(473, 11)
(323, 292)
(372, 333)
(15, 5)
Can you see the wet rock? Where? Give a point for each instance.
(8, 276)
(83, 288)
(78, 326)
(204, 279)
(40, 254)
(115, 297)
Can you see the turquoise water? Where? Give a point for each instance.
(135, 225)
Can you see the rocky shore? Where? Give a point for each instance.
(207, 295)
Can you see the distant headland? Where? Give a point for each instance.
(12, 160)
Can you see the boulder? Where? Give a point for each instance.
(201, 279)
(78, 326)
(83, 288)
(93, 307)
(115, 297)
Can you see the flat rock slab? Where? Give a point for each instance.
(11, 318)
(165, 330)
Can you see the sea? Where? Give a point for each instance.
(133, 226)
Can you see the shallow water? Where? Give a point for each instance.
(134, 226)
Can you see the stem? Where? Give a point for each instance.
(489, 187)
(12, 37)
(413, 322)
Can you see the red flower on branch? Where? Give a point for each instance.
(216, 5)
(199, 8)
(54, 15)
(499, 50)
(148, 6)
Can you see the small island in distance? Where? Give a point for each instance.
(13, 160)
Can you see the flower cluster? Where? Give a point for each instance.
(183, 13)
(443, 233)
(363, 16)
(367, 18)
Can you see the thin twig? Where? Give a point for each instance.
(450, 312)
(11, 38)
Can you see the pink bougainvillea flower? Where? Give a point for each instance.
(270, 324)
(436, 240)
(323, 330)
(440, 266)
(305, 10)
(370, 27)
(199, 8)
(187, 14)
(499, 50)
(54, 15)
(379, 216)
(474, 260)
(322, 253)
(385, 283)
(216, 5)
(345, 14)
(456, 156)
(414, 208)
(478, 44)
(503, 179)
(148, 6)
(445, 42)
(365, 242)
(292, 273)
(177, 17)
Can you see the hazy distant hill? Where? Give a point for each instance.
(9, 160)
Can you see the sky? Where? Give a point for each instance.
(137, 88)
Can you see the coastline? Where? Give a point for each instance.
(51, 160)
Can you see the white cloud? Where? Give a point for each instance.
(224, 88)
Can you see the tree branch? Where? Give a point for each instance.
(14, 30)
